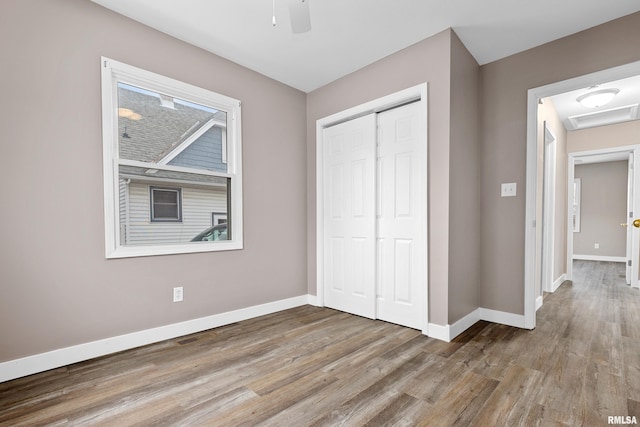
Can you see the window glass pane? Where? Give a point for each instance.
(213, 234)
(164, 196)
(165, 205)
(165, 212)
(197, 199)
(161, 129)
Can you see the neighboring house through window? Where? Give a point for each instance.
(172, 159)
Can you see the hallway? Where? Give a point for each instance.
(593, 352)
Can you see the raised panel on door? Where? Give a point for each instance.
(401, 232)
(349, 216)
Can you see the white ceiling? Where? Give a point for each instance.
(349, 34)
(618, 110)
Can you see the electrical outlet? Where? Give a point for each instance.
(596, 245)
(508, 189)
(178, 294)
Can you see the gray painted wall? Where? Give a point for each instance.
(597, 138)
(58, 290)
(464, 175)
(603, 208)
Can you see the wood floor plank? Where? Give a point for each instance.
(513, 399)
(391, 337)
(434, 377)
(304, 361)
(199, 414)
(261, 408)
(631, 367)
(352, 382)
(633, 408)
(405, 410)
(604, 395)
(461, 402)
(366, 405)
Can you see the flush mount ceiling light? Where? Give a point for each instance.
(597, 98)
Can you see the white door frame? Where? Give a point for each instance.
(598, 156)
(549, 209)
(416, 93)
(533, 96)
(631, 273)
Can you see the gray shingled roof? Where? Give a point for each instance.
(159, 129)
(192, 178)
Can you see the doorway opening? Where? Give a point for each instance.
(533, 219)
(609, 196)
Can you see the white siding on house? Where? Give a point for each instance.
(198, 204)
(122, 183)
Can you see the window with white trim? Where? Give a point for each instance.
(172, 158)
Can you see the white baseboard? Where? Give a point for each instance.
(502, 317)
(313, 300)
(17, 368)
(538, 303)
(559, 281)
(465, 323)
(449, 332)
(600, 258)
(439, 332)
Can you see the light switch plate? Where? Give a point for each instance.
(508, 189)
(178, 294)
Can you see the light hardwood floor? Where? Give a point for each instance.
(313, 366)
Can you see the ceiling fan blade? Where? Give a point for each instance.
(300, 18)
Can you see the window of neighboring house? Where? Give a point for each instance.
(218, 218)
(172, 155)
(165, 204)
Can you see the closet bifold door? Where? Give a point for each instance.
(350, 216)
(374, 216)
(400, 233)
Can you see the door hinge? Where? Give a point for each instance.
(629, 263)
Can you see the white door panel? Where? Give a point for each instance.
(349, 216)
(401, 192)
(336, 264)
